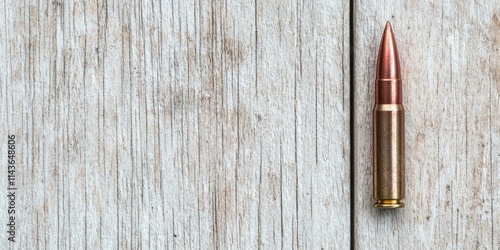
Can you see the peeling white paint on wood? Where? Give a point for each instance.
(449, 53)
(178, 124)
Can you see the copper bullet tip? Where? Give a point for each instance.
(388, 83)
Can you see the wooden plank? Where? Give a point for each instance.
(449, 53)
(178, 124)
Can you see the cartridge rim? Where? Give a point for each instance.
(388, 204)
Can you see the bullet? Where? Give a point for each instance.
(388, 127)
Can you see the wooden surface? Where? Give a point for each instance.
(226, 124)
(177, 124)
(450, 59)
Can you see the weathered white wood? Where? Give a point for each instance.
(449, 53)
(177, 124)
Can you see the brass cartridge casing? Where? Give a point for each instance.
(388, 155)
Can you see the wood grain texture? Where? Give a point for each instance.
(449, 53)
(178, 124)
